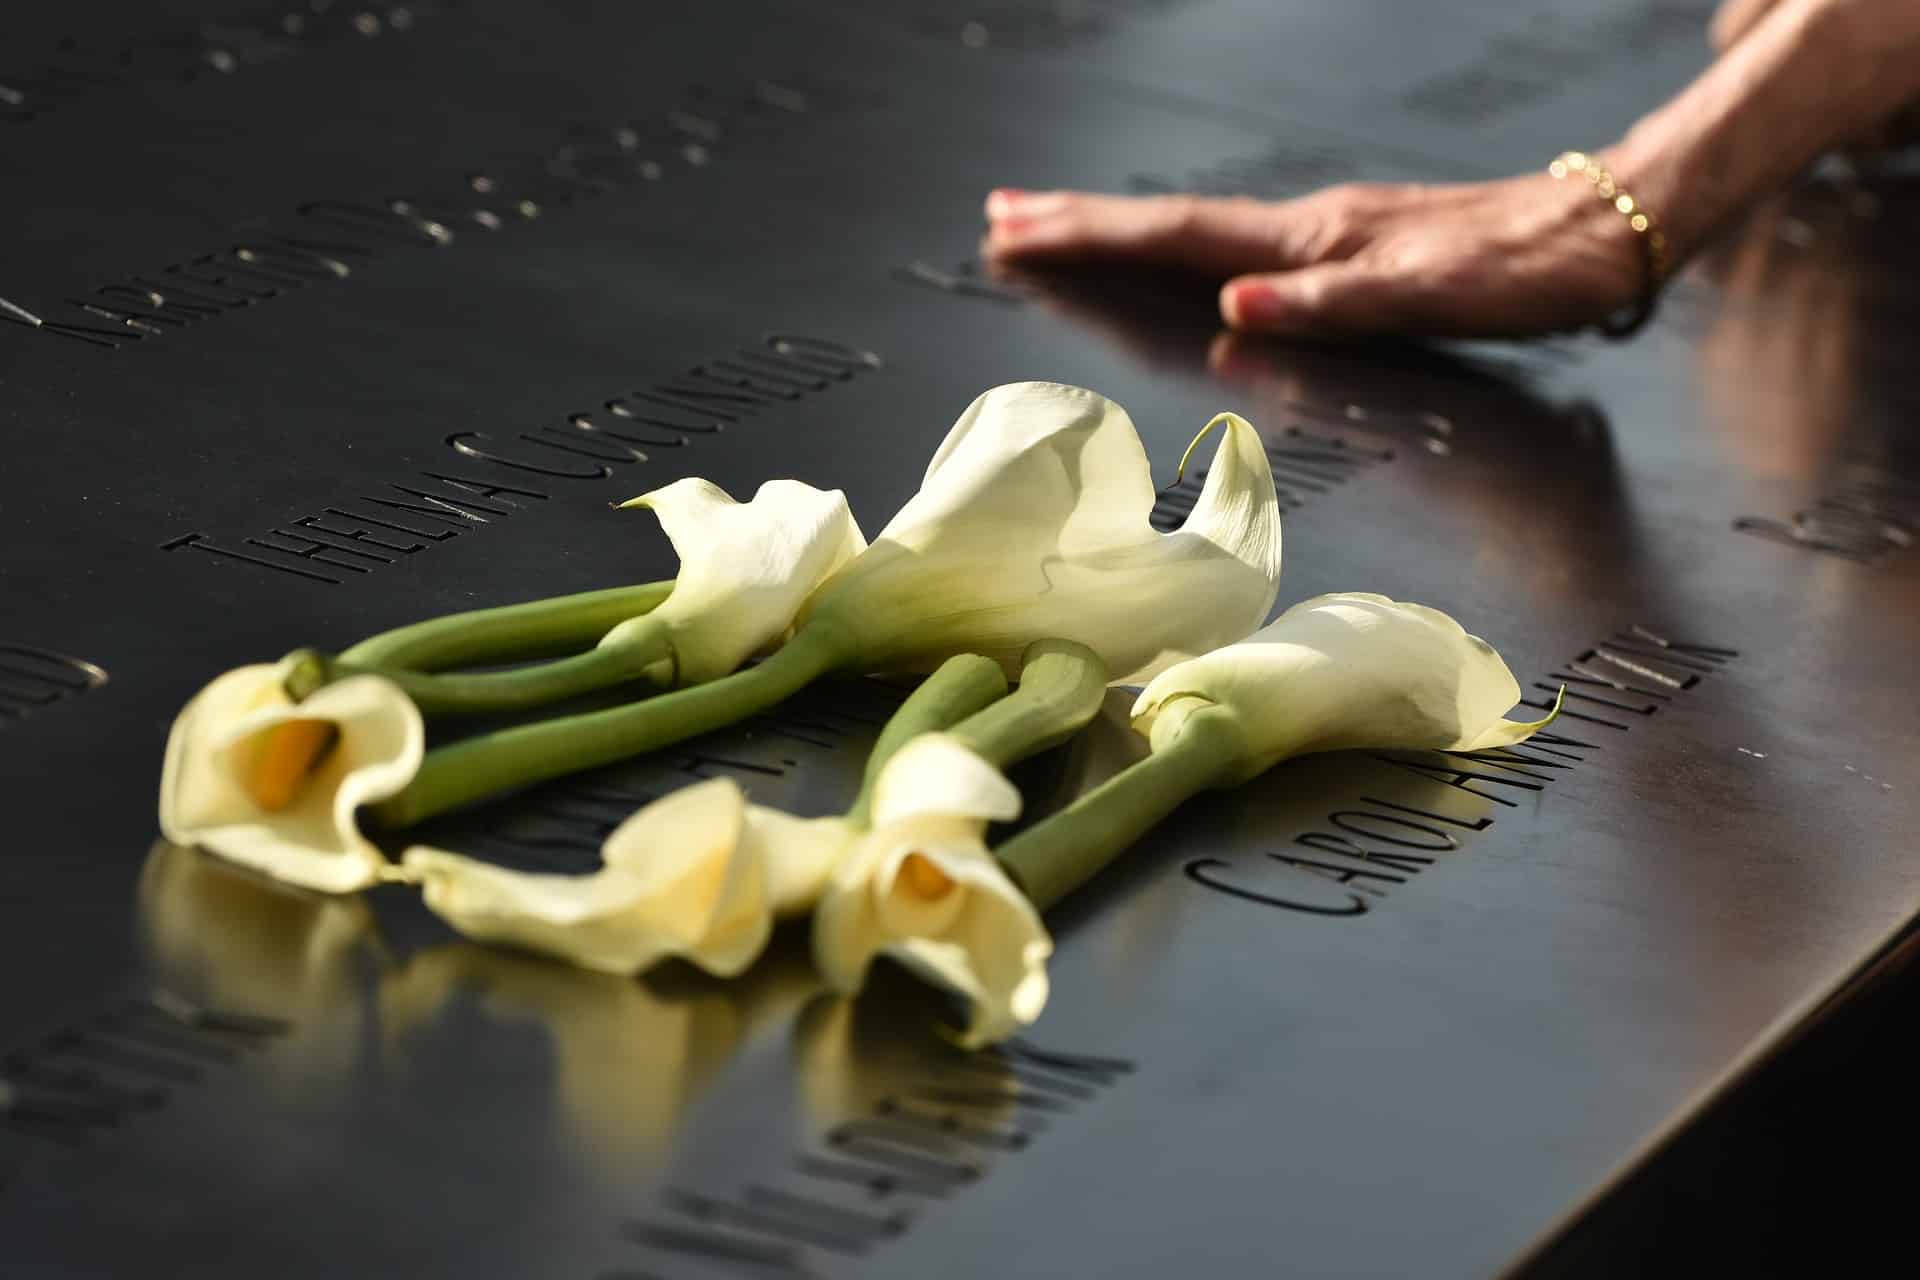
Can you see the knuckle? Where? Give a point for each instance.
(1372, 200)
(1333, 223)
(1320, 234)
(1338, 228)
(1400, 258)
(1355, 197)
(1312, 295)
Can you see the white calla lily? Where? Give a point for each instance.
(274, 785)
(1344, 671)
(745, 567)
(798, 853)
(1335, 672)
(699, 874)
(921, 886)
(1033, 522)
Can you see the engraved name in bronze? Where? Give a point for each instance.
(502, 473)
(330, 240)
(32, 678)
(1375, 843)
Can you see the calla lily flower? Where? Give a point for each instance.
(1335, 672)
(745, 567)
(1343, 671)
(274, 785)
(1032, 522)
(922, 887)
(699, 873)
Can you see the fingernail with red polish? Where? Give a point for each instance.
(1252, 305)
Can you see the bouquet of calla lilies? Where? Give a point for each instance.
(1024, 576)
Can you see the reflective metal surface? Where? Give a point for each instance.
(371, 315)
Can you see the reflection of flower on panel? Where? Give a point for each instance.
(854, 1058)
(227, 939)
(626, 1061)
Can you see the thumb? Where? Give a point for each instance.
(1332, 299)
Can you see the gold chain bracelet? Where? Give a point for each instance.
(1638, 216)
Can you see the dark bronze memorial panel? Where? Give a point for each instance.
(320, 318)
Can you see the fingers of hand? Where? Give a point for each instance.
(1216, 236)
(1365, 298)
(1338, 299)
(1520, 256)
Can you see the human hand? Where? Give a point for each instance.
(1734, 18)
(1517, 256)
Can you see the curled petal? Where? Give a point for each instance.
(922, 887)
(1505, 733)
(679, 830)
(679, 880)
(1034, 521)
(1344, 671)
(745, 567)
(1235, 512)
(800, 854)
(928, 893)
(1041, 457)
(937, 774)
(229, 784)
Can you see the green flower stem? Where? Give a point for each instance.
(962, 686)
(1062, 685)
(489, 763)
(511, 633)
(1057, 855)
(624, 656)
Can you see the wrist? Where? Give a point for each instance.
(1810, 75)
(1685, 201)
(1615, 243)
